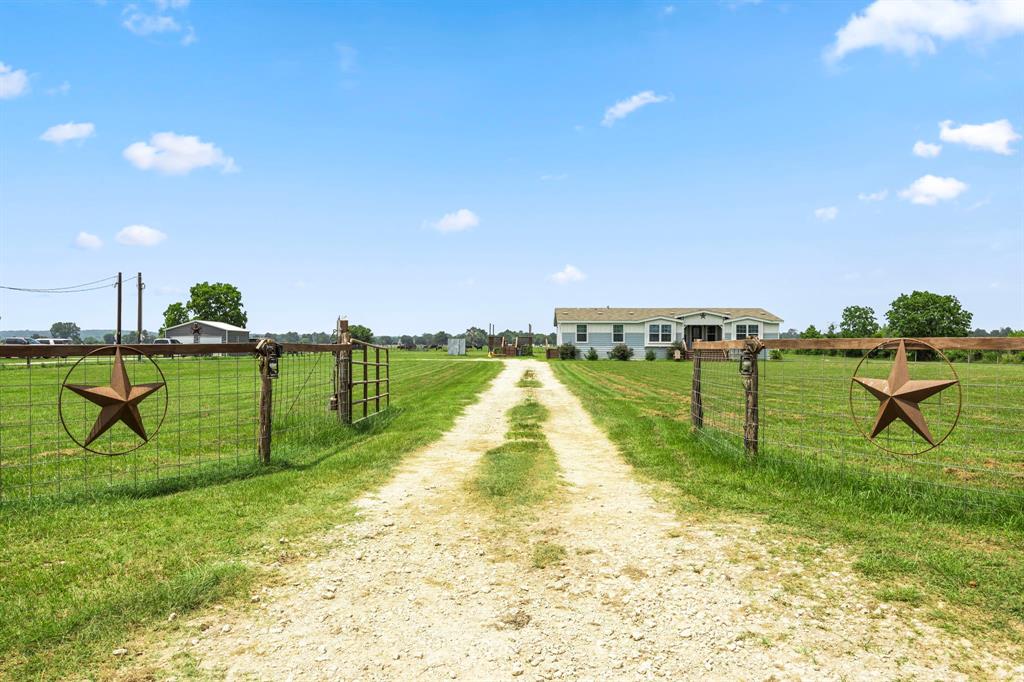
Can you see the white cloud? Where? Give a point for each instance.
(140, 235)
(142, 24)
(13, 83)
(873, 196)
(826, 214)
(913, 26)
(460, 220)
(59, 134)
(668, 10)
(177, 154)
(994, 137)
(570, 273)
(62, 89)
(84, 240)
(926, 150)
(929, 190)
(625, 107)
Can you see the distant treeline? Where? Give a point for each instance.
(475, 337)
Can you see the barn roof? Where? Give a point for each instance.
(219, 325)
(640, 314)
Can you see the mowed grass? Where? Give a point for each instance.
(522, 471)
(76, 576)
(960, 560)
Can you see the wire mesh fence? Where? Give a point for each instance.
(203, 419)
(812, 418)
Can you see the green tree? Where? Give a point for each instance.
(174, 315)
(217, 302)
(858, 322)
(810, 333)
(475, 336)
(109, 338)
(66, 330)
(361, 333)
(923, 314)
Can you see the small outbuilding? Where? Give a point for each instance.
(205, 331)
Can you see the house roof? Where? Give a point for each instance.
(641, 314)
(219, 325)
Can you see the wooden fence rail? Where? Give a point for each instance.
(356, 353)
(940, 342)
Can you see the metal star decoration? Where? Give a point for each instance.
(899, 396)
(119, 402)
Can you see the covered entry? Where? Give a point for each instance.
(702, 332)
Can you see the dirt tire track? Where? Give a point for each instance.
(420, 588)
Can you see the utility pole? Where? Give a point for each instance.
(117, 331)
(138, 339)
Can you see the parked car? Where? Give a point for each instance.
(164, 342)
(20, 341)
(54, 342)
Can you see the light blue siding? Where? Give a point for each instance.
(602, 343)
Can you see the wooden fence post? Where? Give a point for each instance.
(266, 403)
(750, 371)
(696, 399)
(343, 368)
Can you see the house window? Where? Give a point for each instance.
(618, 333)
(581, 333)
(745, 330)
(659, 333)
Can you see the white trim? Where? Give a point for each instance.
(751, 317)
(698, 313)
(661, 333)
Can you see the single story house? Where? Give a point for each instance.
(204, 331)
(644, 329)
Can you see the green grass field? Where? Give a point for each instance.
(956, 552)
(78, 572)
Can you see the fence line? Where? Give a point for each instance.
(219, 408)
(801, 411)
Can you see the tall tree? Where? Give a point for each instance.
(858, 322)
(217, 302)
(66, 330)
(923, 313)
(175, 314)
(361, 333)
(475, 336)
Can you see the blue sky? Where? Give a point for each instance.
(315, 150)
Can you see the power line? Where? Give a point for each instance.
(73, 289)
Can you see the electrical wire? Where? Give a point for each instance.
(73, 289)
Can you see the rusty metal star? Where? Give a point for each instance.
(119, 402)
(899, 396)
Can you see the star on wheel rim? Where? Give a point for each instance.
(118, 401)
(899, 397)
